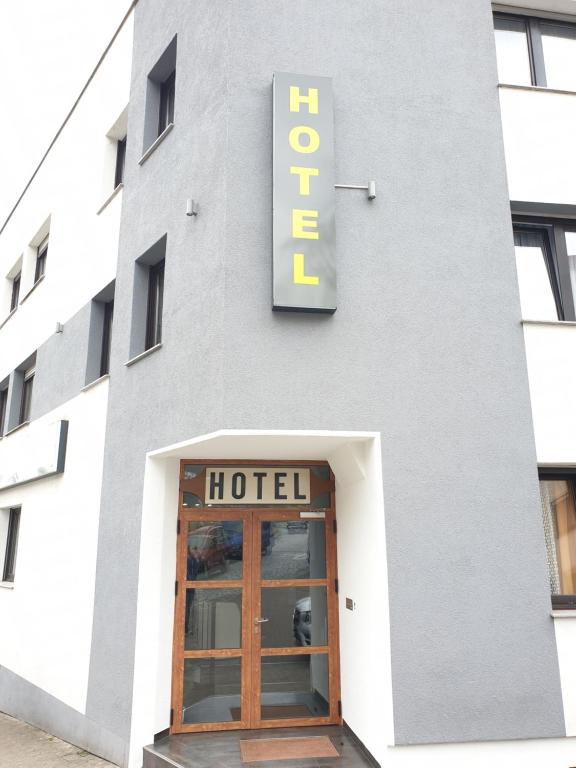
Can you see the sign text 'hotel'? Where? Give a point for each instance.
(304, 267)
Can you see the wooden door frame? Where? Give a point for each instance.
(251, 585)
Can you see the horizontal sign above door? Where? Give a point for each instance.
(257, 485)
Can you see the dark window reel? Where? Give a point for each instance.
(120, 162)
(15, 291)
(3, 403)
(167, 96)
(155, 305)
(11, 545)
(106, 338)
(26, 399)
(41, 262)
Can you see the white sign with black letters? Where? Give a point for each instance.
(257, 485)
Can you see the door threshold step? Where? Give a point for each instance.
(221, 749)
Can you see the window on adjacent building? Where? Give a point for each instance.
(26, 396)
(41, 256)
(11, 546)
(546, 265)
(15, 291)
(120, 161)
(557, 492)
(155, 300)
(532, 51)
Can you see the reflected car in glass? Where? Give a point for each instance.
(207, 546)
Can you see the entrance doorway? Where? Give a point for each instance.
(256, 611)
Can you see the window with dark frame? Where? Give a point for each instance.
(167, 95)
(106, 338)
(11, 545)
(26, 399)
(558, 498)
(3, 405)
(41, 256)
(546, 263)
(15, 291)
(534, 51)
(120, 161)
(155, 302)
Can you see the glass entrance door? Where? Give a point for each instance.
(294, 624)
(256, 619)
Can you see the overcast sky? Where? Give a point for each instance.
(47, 50)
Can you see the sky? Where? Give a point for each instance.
(48, 49)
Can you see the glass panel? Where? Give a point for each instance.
(213, 619)
(193, 470)
(215, 550)
(512, 52)
(211, 690)
(295, 549)
(559, 46)
(571, 248)
(297, 616)
(321, 471)
(294, 686)
(191, 500)
(559, 515)
(321, 502)
(536, 295)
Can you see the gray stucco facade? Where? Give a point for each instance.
(425, 347)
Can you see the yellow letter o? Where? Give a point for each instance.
(304, 130)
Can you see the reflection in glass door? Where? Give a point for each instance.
(255, 633)
(295, 620)
(210, 640)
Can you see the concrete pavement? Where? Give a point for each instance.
(23, 746)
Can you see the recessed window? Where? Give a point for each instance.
(532, 51)
(41, 256)
(100, 334)
(15, 291)
(120, 162)
(148, 298)
(558, 498)
(160, 96)
(546, 266)
(11, 525)
(26, 397)
(155, 301)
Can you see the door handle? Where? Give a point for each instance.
(260, 621)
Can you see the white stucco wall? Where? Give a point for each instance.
(46, 617)
(68, 191)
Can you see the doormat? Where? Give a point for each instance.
(257, 750)
(280, 712)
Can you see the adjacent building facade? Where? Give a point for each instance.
(216, 513)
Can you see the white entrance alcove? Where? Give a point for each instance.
(355, 459)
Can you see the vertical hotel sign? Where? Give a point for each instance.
(304, 267)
